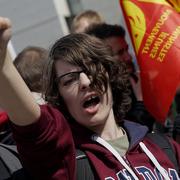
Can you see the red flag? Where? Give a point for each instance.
(154, 27)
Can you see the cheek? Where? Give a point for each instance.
(64, 96)
(73, 109)
(70, 102)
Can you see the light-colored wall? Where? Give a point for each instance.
(109, 9)
(36, 22)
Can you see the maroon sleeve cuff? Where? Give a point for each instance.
(34, 130)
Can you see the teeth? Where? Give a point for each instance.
(91, 101)
(91, 97)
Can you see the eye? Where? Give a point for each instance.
(69, 79)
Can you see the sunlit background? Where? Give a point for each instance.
(42, 22)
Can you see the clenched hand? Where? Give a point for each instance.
(5, 35)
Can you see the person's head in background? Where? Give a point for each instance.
(30, 63)
(114, 36)
(84, 20)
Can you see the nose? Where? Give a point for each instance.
(84, 81)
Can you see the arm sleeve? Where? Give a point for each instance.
(46, 147)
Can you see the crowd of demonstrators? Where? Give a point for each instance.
(84, 19)
(87, 97)
(114, 36)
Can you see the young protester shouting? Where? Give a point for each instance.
(87, 98)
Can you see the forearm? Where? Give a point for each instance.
(16, 98)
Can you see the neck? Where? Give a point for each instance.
(109, 130)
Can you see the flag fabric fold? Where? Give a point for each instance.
(154, 28)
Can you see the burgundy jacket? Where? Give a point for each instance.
(47, 150)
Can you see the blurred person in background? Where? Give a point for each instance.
(30, 64)
(114, 36)
(85, 19)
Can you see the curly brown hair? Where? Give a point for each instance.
(95, 59)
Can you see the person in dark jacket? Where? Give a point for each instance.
(114, 36)
(176, 125)
(88, 96)
(176, 129)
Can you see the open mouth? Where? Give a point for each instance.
(91, 101)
